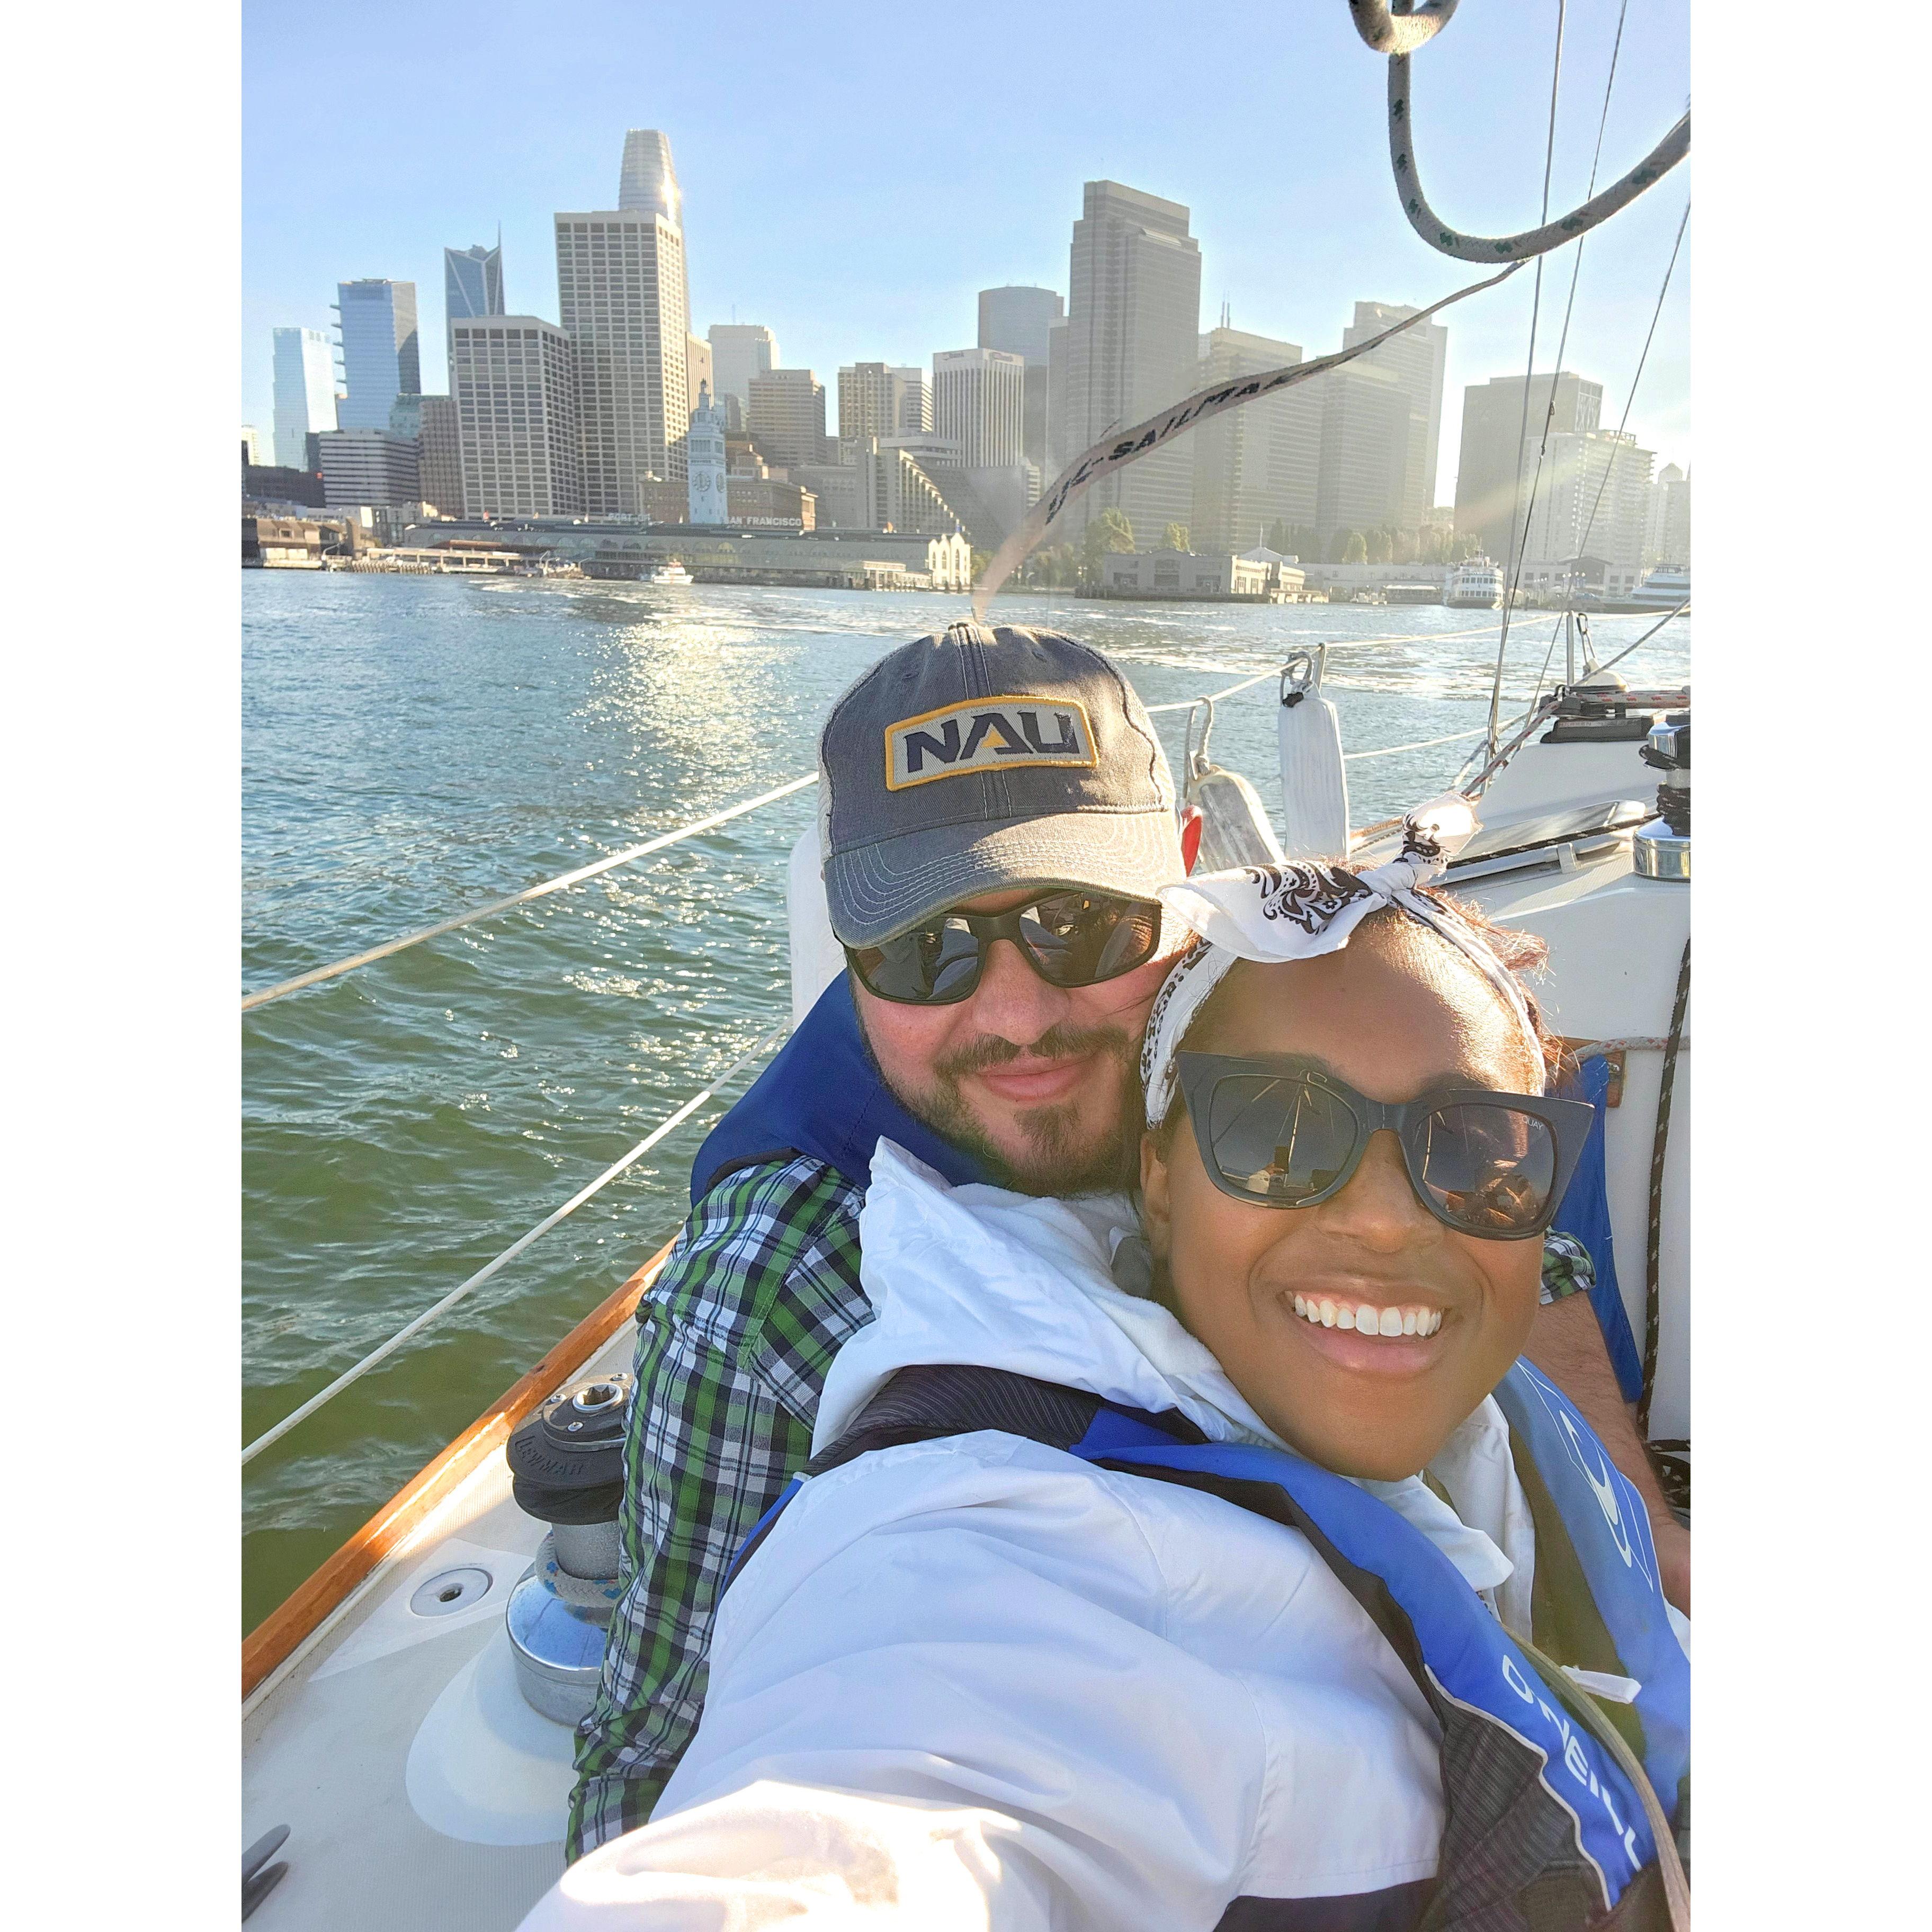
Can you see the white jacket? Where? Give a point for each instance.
(979, 1682)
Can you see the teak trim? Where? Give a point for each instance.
(274, 1640)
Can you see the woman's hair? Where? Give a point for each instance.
(1520, 953)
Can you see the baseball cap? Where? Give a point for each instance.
(978, 760)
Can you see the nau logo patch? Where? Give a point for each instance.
(983, 734)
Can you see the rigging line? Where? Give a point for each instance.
(1556, 631)
(1655, 316)
(1570, 303)
(1520, 549)
(1420, 744)
(509, 1254)
(536, 891)
(1645, 638)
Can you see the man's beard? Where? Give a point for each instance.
(1056, 1161)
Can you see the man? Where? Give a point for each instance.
(997, 815)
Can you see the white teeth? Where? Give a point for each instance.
(1364, 1318)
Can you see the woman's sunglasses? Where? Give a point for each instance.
(1069, 938)
(1276, 1133)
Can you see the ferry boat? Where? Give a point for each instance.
(1663, 589)
(670, 571)
(1476, 585)
(1411, 593)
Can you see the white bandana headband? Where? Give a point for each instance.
(1269, 913)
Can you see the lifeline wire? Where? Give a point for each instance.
(509, 1254)
(536, 891)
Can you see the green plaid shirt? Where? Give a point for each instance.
(735, 1337)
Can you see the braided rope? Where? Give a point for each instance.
(1653, 1238)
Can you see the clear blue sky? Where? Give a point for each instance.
(853, 173)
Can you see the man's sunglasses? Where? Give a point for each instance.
(1069, 938)
(1276, 1133)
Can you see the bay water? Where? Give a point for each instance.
(415, 746)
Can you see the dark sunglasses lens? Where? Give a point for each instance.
(1491, 1170)
(1284, 1141)
(1079, 939)
(934, 965)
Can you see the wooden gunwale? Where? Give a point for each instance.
(274, 1639)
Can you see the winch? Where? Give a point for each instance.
(1661, 848)
(567, 1469)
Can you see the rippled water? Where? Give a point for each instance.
(415, 745)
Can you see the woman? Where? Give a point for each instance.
(1224, 1605)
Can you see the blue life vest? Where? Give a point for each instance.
(1573, 1813)
(822, 1096)
(1584, 1212)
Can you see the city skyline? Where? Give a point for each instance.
(831, 267)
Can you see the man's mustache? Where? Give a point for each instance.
(1057, 1043)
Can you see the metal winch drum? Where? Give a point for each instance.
(567, 1469)
(1661, 849)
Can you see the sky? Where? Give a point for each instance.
(853, 174)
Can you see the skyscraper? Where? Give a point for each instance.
(1132, 324)
(620, 283)
(1257, 465)
(978, 403)
(1416, 360)
(913, 388)
(1495, 425)
(439, 454)
(1592, 500)
(368, 466)
(472, 282)
(304, 393)
(786, 417)
(646, 181)
(1366, 427)
(1016, 319)
(1667, 530)
(877, 399)
(513, 382)
(380, 360)
(647, 184)
(740, 350)
(1020, 321)
(704, 462)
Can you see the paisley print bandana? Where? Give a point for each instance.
(1274, 912)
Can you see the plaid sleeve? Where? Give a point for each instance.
(735, 1338)
(1567, 1268)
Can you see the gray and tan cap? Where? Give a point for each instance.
(982, 760)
